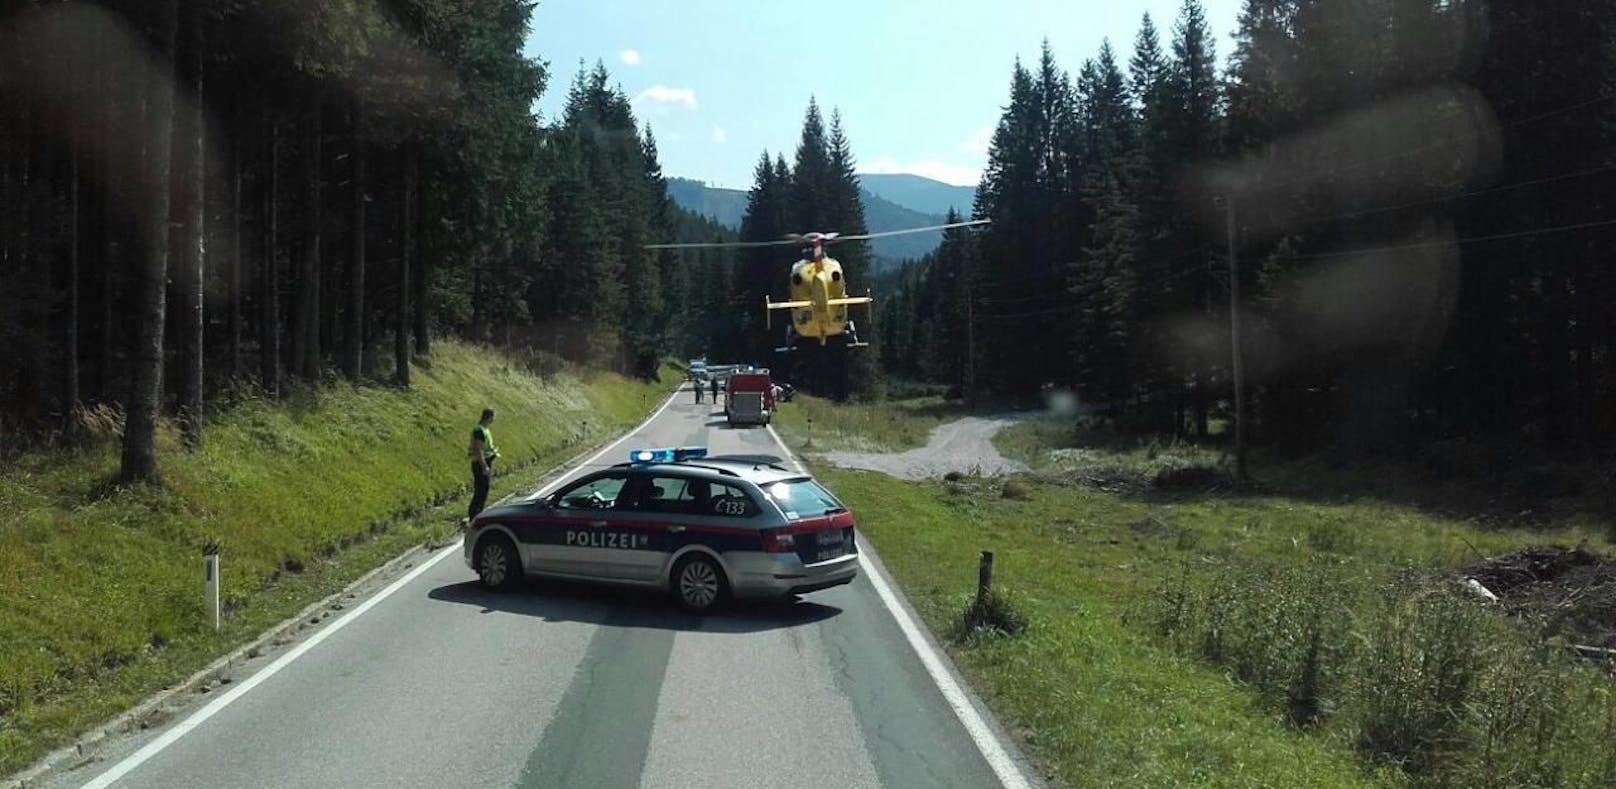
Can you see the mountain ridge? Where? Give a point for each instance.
(881, 214)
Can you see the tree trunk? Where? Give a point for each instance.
(70, 339)
(34, 269)
(306, 357)
(140, 430)
(237, 132)
(401, 331)
(192, 253)
(354, 337)
(112, 191)
(269, 316)
(423, 301)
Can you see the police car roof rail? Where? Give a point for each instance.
(681, 464)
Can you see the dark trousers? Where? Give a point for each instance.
(479, 490)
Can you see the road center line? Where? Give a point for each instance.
(179, 730)
(987, 742)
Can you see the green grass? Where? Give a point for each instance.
(1167, 633)
(1100, 703)
(816, 425)
(1055, 445)
(101, 604)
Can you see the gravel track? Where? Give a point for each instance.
(965, 446)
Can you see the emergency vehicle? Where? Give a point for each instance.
(707, 529)
(749, 398)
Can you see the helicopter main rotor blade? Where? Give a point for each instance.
(785, 242)
(885, 234)
(797, 239)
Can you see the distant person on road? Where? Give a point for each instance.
(483, 453)
(697, 386)
(715, 390)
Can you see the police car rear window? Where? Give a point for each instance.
(803, 498)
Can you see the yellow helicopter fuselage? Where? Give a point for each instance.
(819, 299)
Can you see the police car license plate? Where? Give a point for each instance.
(831, 545)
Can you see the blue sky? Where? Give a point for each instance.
(919, 88)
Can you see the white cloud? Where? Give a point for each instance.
(666, 98)
(630, 57)
(675, 137)
(719, 135)
(978, 144)
(948, 173)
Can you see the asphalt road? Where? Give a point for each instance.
(432, 682)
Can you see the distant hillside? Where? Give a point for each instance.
(882, 215)
(921, 194)
(727, 206)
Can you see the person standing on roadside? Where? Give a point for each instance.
(483, 453)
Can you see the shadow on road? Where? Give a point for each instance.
(722, 423)
(559, 601)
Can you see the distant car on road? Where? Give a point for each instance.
(704, 528)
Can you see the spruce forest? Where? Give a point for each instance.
(204, 198)
(1416, 194)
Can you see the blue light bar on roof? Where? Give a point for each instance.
(666, 454)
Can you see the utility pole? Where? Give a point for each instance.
(1234, 345)
(970, 339)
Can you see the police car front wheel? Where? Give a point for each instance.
(699, 584)
(497, 564)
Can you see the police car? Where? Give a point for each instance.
(705, 528)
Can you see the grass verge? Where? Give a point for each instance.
(817, 425)
(1174, 636)
(1099, 702)
(101, 599)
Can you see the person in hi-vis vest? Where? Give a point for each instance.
(483, 453)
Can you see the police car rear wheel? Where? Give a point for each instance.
(699, 584)
(496, 564)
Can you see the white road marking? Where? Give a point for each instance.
(992, 750)
(179, 730)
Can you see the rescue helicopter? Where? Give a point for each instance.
(818, 298)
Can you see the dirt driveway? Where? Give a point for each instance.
(965, 446)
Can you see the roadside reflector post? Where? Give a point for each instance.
(210, 582)
(984, 579)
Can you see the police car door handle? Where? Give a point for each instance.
(597, 524)
(675, 528)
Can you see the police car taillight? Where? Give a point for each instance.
(777, 541)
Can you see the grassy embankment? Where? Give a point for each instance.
(100, 601)
(1187, 637)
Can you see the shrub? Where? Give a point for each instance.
(1000, 612)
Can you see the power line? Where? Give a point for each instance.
(1090, 290)
(1459, 241)
(1441, 141)
(1468, 195)
(1072, 307)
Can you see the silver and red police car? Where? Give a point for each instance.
(705, 528)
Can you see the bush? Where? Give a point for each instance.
(543, 364)
(1195, 477)
(1285, 631)
(1419, 677)
(1419, 671)
(1000, 612)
